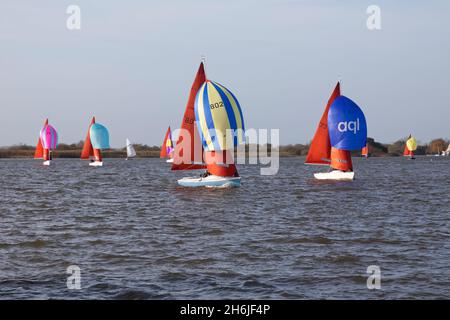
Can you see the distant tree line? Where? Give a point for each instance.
(376, 149)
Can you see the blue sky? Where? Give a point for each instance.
(132, 63)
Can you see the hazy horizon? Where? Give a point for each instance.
(132, 65)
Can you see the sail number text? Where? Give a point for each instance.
(216, 105)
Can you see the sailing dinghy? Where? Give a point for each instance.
(217, 112)
(131, 153)
(48, 140)
(97, 139)
(167, 147)
(210, 111)
(342, 128)
(410, 147)
(365, 151)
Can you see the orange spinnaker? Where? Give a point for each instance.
(188, 125)
(217, 163)
(341, 160)
(320, 148)
(88, 151)
(39, 153)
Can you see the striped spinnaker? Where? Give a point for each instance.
(49, 137)
(219, 117)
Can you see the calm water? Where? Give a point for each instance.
(136, 235)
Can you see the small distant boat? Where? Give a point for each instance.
(447, 152)
(410, 147)
(438, 154)
(342, 128)
(131, 153)
(167, 147)
(48, 140)
(97, 139)
(365, 151)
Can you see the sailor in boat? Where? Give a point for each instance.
(205, 174)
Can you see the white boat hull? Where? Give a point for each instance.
(335, 175)
(47, 163)
(96, 164)
(169, 160)
(210, 181)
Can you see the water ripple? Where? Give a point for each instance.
(136, 235)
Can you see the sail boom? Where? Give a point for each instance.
(318, 164)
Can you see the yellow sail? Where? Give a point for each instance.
(411, 144)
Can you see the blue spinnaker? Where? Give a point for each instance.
(99, 136)
(346, 125)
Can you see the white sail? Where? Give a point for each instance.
(130, 150)
(448, 150)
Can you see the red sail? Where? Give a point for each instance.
(189, 131)
(163, 153)
(341, 160)
(88, 151)
(98, 155)
(406, 151)
(365, 151)
(220, 163)
(39, 153)
(320, 148)
(46, 155)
